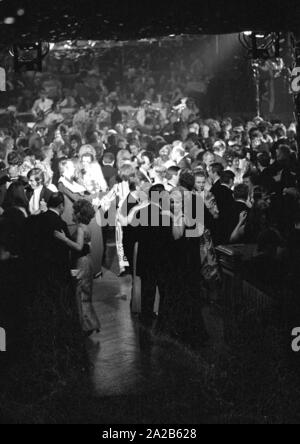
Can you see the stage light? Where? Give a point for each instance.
(9, 20)
(21, 12)
(258, 35)
(260, 46)
(29, 56)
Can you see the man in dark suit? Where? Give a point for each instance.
(154, 236)
(108, 168)
(4, 179)
(215, 171)
(52, 254)
(226, 205)
(13, 302)
(16, 217)
(52, 288)
(44, 195)
(36, 192)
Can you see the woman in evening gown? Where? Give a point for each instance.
(91, 177)
(75, 190)
(83, 214)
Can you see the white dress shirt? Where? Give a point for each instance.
(146, 174)
(34, 204)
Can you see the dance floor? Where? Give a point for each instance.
(159, 383)
(115, 352)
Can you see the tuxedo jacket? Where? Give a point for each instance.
(17, 222)
(109, 172)
(51, 253)
(3, 187)
(5, 190)
(185, 163)
(216, 187)
(144, 178)
(155, 241)
(4, 178)
(45, 194)
(70, 198)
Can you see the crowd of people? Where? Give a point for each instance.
(168, 69)
(66, 183)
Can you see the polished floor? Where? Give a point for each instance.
(135, 381)
(132, 380)
(115, 352)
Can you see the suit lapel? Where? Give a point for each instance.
(43, 195)
(29, 194)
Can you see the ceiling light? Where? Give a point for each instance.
(9, 20)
